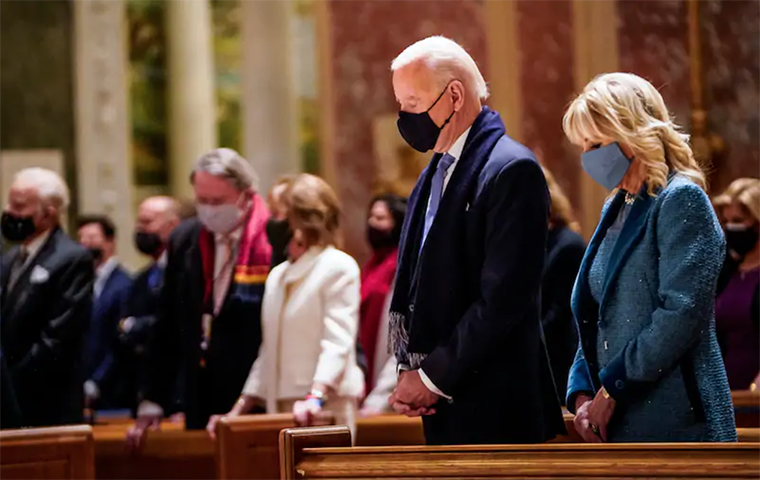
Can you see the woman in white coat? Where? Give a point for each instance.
(310, 319)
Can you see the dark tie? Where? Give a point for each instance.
(18, 267)
(436, 192)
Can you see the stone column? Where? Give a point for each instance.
(190, 89)
(270, 110)
(595, 51)
(104, 167)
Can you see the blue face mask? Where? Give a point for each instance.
(607, 165)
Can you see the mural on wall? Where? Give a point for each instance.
(226, 16)
(304, 67)
(147, 90)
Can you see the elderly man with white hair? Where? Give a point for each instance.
(46, 298)
(465, 323)
(208, 327)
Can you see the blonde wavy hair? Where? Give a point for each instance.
(561, 211)
(627, 109)
(746, 192)
(314, 208)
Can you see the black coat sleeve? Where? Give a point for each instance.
(515, 243)
(164, 345)
(69, 311)
(560, 276)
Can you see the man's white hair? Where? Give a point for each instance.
(447, 60)
(50, 187)
(228, 164)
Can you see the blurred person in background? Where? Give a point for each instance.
(208, 329)
(386, 216)
(564, 252)
(278, 228)
(45, 302)
(156, 219)
(310, 319)
(97, 233)
(737, 309)
(648, 367)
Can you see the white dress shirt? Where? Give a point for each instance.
(456, 152)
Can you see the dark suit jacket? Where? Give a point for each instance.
(44, 324)
(104, 324)
(174, 347)
(564, 253)
(475, 308)
(126, 373)
(10, 412)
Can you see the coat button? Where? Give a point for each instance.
(411, 307)
(619, 384)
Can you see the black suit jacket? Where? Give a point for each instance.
(44, 323)
(475, 300)
(174, 346)
(564, 253)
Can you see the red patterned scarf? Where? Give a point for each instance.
(254, 254)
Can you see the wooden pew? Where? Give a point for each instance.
(325, 452)
(746, 408)
(170, 453)
(389, 430)
(246, 446)
(41, 453)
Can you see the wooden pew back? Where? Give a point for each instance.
(325, 452)
(389, 430)
(170, 453)
(746, 408)
(246, 446)
(41, 453)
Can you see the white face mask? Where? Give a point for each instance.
(220, 218)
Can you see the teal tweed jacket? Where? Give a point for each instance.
(651, 339)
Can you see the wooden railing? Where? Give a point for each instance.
(325, 452)
(47, 453)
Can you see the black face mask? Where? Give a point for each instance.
(16, 229)
(741, 238)
(380, 238)
(96, 253)
(279, 235)
(419, 130)
(148, 243)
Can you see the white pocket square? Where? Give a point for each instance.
(39, 275)
(467, 208)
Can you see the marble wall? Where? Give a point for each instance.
(545, 34)
(36, 80)
(365, 36)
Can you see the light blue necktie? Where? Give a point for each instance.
(436, 192)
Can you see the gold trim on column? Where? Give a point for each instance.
(504, 63)
(595, 51)
(326, 92)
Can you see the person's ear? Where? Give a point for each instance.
(457, 94)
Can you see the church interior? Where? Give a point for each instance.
(122, 97)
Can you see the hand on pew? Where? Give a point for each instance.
(581, 420)
(136, 433)
(304, 411)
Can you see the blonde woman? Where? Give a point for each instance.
(648, 367)
(310, 318)
(737, 308)
(564, 252)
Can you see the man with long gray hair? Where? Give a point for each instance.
(465, 311)
(208, 327)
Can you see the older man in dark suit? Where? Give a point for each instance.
(465, 312)
(46, 300)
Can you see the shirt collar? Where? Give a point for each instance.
(105, 270)
(161, 262)
(35, 245)
(456, 149)
(233, 235)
